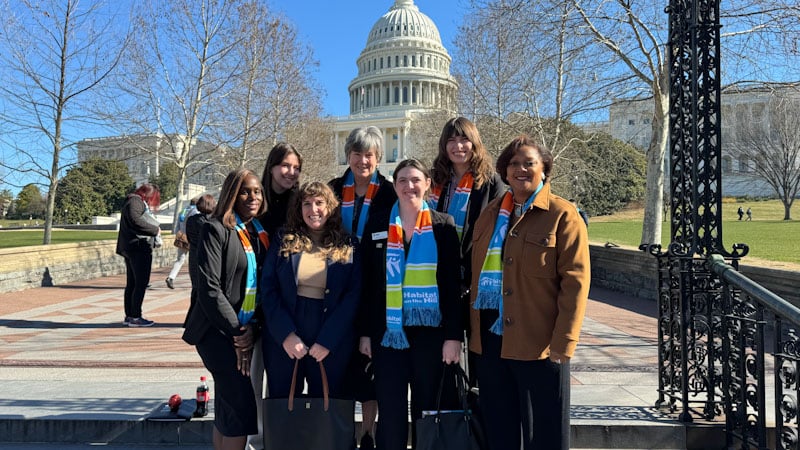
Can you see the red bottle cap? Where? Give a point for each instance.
(203, 378)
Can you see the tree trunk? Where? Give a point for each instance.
(654, 188)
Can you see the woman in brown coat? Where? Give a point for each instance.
(530, 285)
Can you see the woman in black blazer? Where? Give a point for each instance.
(310, 291)
(224, 321)
(417, 361)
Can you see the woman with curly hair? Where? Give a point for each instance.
(310, 289)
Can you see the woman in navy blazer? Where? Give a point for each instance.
(309, 290)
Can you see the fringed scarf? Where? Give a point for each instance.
(458, 204)
(490, 280)
(250, 299)
(349, 202)
(412, 294)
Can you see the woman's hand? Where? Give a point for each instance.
(245, 340)
(318, 352)
(558, 357)
(243, 360)
(365, 346)
(294, 346)
(451, 351)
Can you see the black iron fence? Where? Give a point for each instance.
(725, 344)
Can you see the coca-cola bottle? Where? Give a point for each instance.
(202, 398)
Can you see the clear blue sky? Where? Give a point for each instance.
(337, 31)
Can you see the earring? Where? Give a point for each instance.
(544, 177)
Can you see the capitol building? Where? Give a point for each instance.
(403, 72)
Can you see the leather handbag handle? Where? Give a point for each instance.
(325, 388)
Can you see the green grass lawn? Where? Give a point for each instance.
(768, 236)
(23, 238)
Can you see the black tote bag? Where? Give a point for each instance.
(309, 423)
(452, 430)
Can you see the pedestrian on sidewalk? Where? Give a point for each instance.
(181, 243)
(740, 212)
(194, 226)
(749, 214)
(139, 233)
(528, 301)
(225, 320)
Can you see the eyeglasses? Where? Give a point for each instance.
(523, 164)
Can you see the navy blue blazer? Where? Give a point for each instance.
(278, 292)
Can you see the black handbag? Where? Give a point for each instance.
(308, 423)
(453, 430)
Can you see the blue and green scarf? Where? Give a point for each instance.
(349, 202)
(458, 204)
(250, 299)
(490, 280)
(412, 294)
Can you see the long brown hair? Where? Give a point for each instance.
(480, 163)
(335, 243)
(275, 158)
(227, 197)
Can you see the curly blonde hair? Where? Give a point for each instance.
(335, 243)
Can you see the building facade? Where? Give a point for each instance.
(403, 72)
(146, 154)
(751, 109)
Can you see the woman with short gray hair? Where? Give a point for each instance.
(367, 199)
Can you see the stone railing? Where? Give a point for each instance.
(632, 271)
(52, 265)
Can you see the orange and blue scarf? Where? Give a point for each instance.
(458, 204)
(412, 294)
(349, 202)
(250, 299)
(490, 280)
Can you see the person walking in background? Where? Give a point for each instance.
(138, 233)
(464, 182)
(367, 198)
(528, 301)
(310, 291)
(749, 214)
(181, 243)
(280, 180)
(194, 226)
(740, 212)
(409, 338)
(224, 321)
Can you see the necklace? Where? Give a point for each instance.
(517, 209)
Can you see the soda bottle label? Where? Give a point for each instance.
(202, 396)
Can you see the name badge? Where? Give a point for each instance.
(380, 235)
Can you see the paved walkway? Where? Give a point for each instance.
(65, 354)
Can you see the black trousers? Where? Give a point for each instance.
(138, 263)
(522, 402)
(419, 366)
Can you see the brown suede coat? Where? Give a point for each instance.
(546, 278)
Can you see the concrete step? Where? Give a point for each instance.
(197, 432)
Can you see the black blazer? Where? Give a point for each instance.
(278, 293)
(381, 205)
(218, 299)
(132, 224)
(371, 321)
(478, 199)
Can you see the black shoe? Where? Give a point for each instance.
(139, 322)
(169, 283)
(366, 443)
